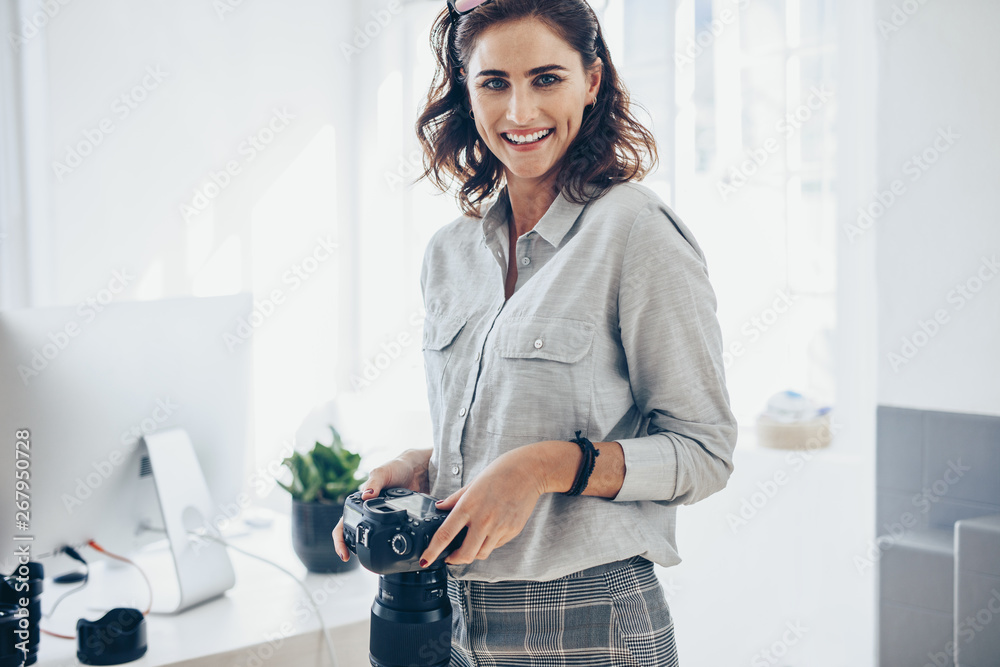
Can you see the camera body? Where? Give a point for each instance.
(411, 615)
(391, 531)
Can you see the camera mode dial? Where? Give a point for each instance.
(400, 545)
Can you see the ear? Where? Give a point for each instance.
(465, 90)
(596, 71)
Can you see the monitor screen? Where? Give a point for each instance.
(87, 388)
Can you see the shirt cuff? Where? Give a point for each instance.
(650, 468)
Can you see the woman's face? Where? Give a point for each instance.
(527, 89)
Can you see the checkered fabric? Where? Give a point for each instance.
(612, 615)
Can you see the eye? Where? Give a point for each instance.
(553, 79)
(486, 84)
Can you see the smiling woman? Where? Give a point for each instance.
(548, 58)
(573, 302)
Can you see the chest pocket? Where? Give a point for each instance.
(540, 378)
(440, 331)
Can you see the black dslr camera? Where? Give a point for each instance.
(411, 615)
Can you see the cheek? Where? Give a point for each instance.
(491, 108)
(571, 115)
(571, 124)
(481, 110)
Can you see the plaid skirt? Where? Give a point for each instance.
(612, 615)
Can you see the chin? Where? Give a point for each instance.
(522, 171)
(528, 173)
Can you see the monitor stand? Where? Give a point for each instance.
(203, 568)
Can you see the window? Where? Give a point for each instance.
(746, 133)
(739, 94)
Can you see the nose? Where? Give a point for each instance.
(522, 107)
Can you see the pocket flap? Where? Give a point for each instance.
(553, 338)
(440, 331)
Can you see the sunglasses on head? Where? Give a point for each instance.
(466, 7)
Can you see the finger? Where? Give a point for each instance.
(442, 538)
(471, 545)
(339, 545)
(488, 546)
(377, 480)
(385, 476)
(449, 502)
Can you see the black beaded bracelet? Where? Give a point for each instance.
(590, 455)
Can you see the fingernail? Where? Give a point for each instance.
(438, 502)
(369, 491)
(423, 563)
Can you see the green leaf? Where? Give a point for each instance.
(295, 493)
(328, 462)
(327, 473)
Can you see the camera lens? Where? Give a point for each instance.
(10, 654)
(411, 620)
(26, 582)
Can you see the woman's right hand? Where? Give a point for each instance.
(408, 470)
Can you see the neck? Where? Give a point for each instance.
(529, 200)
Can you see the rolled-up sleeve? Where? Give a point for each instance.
(673, 349)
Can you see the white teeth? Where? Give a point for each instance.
(528, 139)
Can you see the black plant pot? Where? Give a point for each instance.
(312, 537)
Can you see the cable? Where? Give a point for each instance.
(56, 634)
(305, 589)
(205, 535)
(94, 545)
(319, 616)
(72, 553)
(69, 551)
(312, 603)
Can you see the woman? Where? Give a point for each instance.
(575, 302)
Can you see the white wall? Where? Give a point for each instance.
(223, 78)
(937, 71)
(143, 104)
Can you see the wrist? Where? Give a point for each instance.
(556, 463)
(418, 458)
(419, 462)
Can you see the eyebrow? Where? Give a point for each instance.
(531, 72)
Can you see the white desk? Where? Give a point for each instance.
(264, 619)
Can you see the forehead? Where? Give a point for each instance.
(518, 46)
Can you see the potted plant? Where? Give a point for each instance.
(321, 481)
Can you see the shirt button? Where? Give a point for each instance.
(454, 470)
(538, 344)
(478, 355)
(461, 413)
(525, 260)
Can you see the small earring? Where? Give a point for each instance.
(472, 114)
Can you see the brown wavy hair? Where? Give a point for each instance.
(609, 148)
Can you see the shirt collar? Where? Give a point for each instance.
(552, 227)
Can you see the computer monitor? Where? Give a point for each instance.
(91, 385)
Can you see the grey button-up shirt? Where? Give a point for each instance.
(612, 331)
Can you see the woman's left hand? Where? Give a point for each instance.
(495, 507)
